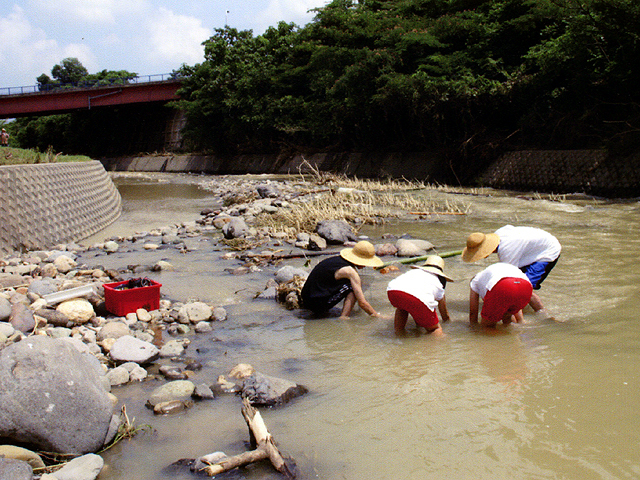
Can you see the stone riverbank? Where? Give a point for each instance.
(101, 351)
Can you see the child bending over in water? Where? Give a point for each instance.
(418, 292)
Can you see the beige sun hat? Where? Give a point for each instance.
(434, 264)
(480, 245)
(363, 254)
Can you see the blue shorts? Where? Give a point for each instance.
(538, 271)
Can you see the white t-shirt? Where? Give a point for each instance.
(484, 281)
(425, 286)
(522, 246)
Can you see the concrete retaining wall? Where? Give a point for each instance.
(46, 204)
(593, 172)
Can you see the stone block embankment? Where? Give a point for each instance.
(593, 172)
(51, 203)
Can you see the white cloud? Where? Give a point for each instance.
(175, 39)
(296, 11)
(26, 48)
(94, 11)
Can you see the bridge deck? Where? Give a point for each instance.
(64, 101)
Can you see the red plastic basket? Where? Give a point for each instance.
(121, 302)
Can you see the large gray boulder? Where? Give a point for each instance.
(11, 469)
(264, 390)
(52, 397)
(335, 232)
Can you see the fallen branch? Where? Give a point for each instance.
(437, 213)
(263, 444)
(419, 259)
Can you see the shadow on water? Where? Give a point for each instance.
(539, 400)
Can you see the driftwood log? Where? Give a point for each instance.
(263, 444)
(422, 258)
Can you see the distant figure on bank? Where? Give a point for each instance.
(417, 293)
(505, 291)
(532, 250)
(4, 138)
(336, 278)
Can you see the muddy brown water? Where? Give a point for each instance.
(543, 400)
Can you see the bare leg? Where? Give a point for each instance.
(437, 332)
(400, 320)
(519, 317)
(535, 302)
(347, 307)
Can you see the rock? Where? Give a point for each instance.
(77, 310)
(5, 309)
(172, 406)
(286, 274)
(335, 232)
(264, 390)
(386, 249)
(9, 280)
(194, 312)
(203, 392)
(118, 376)
(69, 409)
(6, 329)
(11, 469)
(413, 247)
(316, 243)
(113, 330)
(87, 467)
(143, 315)
(234, 228)
(267, 191)
(54, 317)
(171, 372)
(64, 264)
(163, 265)
(268, 293)
(173, 348)
(138, 374)
(19, 453)
(203, 327)
(22, 318)
(242, 370)
(43, 287)
(176, 390)
(219, 314)
(111, 246)
(131, 349)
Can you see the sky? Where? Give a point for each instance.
(147, 37)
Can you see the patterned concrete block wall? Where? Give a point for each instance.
(593, 172)
(46, 204)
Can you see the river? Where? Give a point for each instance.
(541, 400)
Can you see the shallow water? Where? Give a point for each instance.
(541, 400)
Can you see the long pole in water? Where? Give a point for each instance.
(419, 259)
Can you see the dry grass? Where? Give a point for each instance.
(371, 203)
(20, 156)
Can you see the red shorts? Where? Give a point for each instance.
(423, 316)
(509, 295)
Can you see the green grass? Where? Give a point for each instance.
(21, 156)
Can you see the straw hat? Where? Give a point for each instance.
(434, 264)
(480, 245)
(362, 254)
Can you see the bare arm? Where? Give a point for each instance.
(356, 285)
(474, 303)
(442, 308)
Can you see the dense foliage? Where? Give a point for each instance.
(465, 76)
(70, 73)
